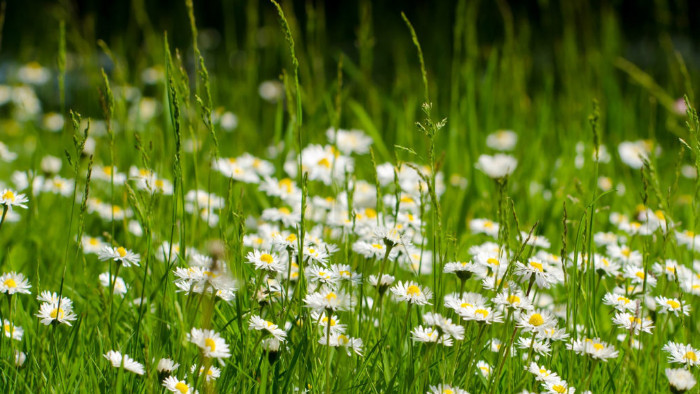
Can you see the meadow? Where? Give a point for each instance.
(445, 206)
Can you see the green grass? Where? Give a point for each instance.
(556, 93)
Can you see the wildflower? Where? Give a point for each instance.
(540, 347)
(464, 270)
(349, 141)
(13, 282)
(536, 320)
(59, 310)
(20, 358)
(497, 166)
(680, 379)
(119, 285)
(120, 255)
(328, 299)
(266, 261)
(212, 373)
(513, 299)
(672, 305)
(542, 374)
(624, 254)
(260, 324)
(446, 389)
(484, 368)
(445, 324)
(383, 284)
(119, 360)
(10, 199)
(324, 322)
(412, 292)
(557, 386)
(392, 236)
(109, 173)
(337, 340)
(634, 153)
(210, 342)
(620, 302)
(638, 275)
(166, 366)
(594, 348)
(538, 271)
(682, 354)
(91, 244)
(11, 330)
(503, 140)
(175, 385)
(485, 226)
(630, 322)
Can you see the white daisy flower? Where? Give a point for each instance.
(175, 385)
(412, 293)
(630, 322)
(446, 389)
(594, 348)
(14, 282)
(11, 330)
(210, 342)
(266, 261)
(59, 311)
(672, 305)
(680, 380)
(10, 199)
(682, 354)
(119, 360)
(328, 299)
(260, 324)
(120, 255)
(107, 281)
(503, 140)
(497, 166)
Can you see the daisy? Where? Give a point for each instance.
(445, 324)
(513, 299)
(210, 342)
(107, 173)
(349, 343)
(557, 386)
(91, 245)
(260, 324)
(283, 214)
(412, 292)
(323, 322)
(266, 261)
(624, 254)
(212, 373)
(620, 302)
(383, 284)
(680, 379)
(496, 166)
(328, 299)
(120, 255)
(349, 141)
(13, 282)
(682, 354)
(446, 389)
(52, 312)
(10, 199)
(392, 236)
(484, 368)
(118, 360)
(637, 276)
(430, 335)
(552, 334)
(594, 348)
(503, 140)
(604, 239)
(672, 305)
(541, 373)
(540, 347)
(539, 271)
(465, 270)
(536, 320)
(11, 330)
(630, 322)
(166, 366)
(484, 226)
(175, 385)
(344, 273)
(119, 284)
(633, 153)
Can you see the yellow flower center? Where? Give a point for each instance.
(624, 300)
(635, 320)
(488, 224)
(626, 252)
(285, 211)
(493, 261)
(121, 251)
(291, 238)
(210, 343)
(57, 313)
(513, 299)
(181, 387)
(482, 312)
(537, 266)
(559, 388)
(324, 162)
(159, 183)
(371, 213)
(343, 340)
(536, 320)
(691, 356)
(640, 275)
(93, 241)
(447, 391)
(673, 304)
(331, 296)
(466, 304)
(266, 258)
(107, 170)
(9, 282)
(286, 183)
(598, 346)
(413, 290)
(9, 195)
